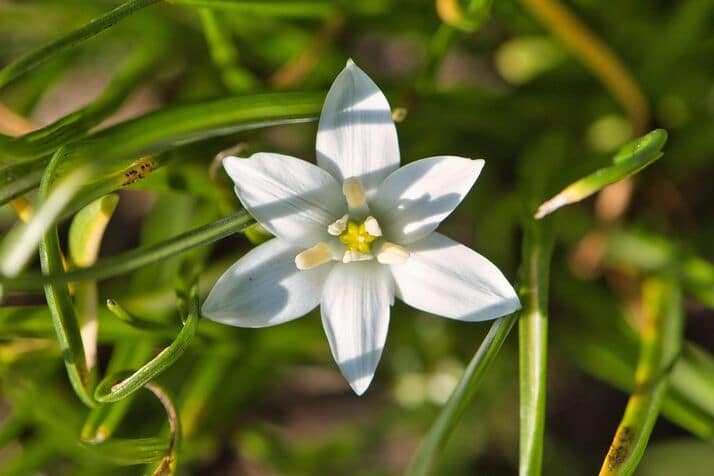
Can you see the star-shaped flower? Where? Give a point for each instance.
(353, 232)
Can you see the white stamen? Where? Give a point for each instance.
(336, 228)
(392, 254)
(354, 193)
(372, 226)
(353, 255)
(313, 257)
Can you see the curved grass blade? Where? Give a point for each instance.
(630, 159)
(70, 40)
(431, 447)
(661, 340)
(110, 149)
(138, 257)
(60, 303)
(109, 390)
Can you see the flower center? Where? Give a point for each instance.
(357, 238)
(356, 234)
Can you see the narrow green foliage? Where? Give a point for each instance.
(533, 344)
(430, 449)
(116, 148)
(138, 257)
(661, 340)
(630, 159)
(115, 387)
(60, 303)
(70, 40)
(87, 229)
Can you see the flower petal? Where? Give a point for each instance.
(412, 201)
(355, 315)
(293, 199)
(356, 136)
(264, 288)
(446, 278)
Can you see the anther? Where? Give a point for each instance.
(313, 257)
(354, 255)
(392, 254)
(372, 226)
(336, 228)
(354, 193)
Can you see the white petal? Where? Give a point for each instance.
(446, 278)
(293, 199)
(264, 288)
(355, 315)
(356, 136)
(412, 201)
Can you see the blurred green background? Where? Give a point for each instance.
(495, 80)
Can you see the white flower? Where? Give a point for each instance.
(354, 232)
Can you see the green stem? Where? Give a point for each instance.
(533, 342)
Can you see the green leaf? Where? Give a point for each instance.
(630, 159)
(446, 422)
(114, 387)
(138, 257)
(661, 340)
(87, 229)
(115, 149)
(70, 40)
(60, 303)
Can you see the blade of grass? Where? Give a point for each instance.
(138, 257)
(661, 340)
(630, 159)
(60, 303)
(448, 418)
(109, 390)
(70, 40)
(110, 149)
(85, 236)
